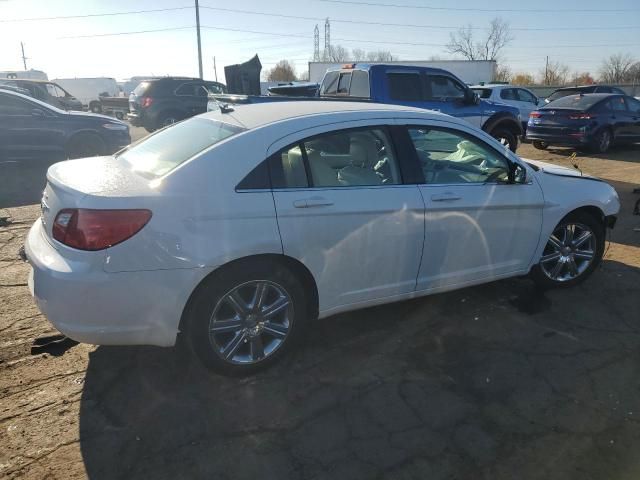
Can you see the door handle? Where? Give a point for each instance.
(445, 197)
(312, 202)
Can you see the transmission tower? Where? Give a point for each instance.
(316, 44)
(327, 39)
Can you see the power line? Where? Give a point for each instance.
(124, 33)
(91, 15)
(491, 10)
(404, 25)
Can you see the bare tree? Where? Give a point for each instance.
(503, 74)
(358, 55)
(464, 42)
(615, 69)
(555, 73)
(336, 54)
(283, 71)
(380, 56)
(523, 79)
(582, 78)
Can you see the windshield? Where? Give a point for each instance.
(483, 92)
(164, 151)
(575, 102)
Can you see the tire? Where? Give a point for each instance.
(506, 137)
(602, 140)
(120, 115)
(248, 340)
(167, 118)
(557, 245)
(150, 129)
(540, 145)
(85, 145)
(95, 107)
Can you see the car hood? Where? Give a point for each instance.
(96, 116)
(552, 169)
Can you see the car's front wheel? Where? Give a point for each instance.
(245, 317)
(506, 137)
(572, 252)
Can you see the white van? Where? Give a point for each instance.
(89, 90)
(23, 74)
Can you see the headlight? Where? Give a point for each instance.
(115, 126)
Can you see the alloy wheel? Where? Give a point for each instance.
(250, 322)
(569, 252)
(604, 140)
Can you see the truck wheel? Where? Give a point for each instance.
(506, 138)
(95, 107)
(85, 145)
(540, 145)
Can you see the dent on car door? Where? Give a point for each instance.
(344, 212)
(480, 224)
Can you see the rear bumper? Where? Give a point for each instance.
(135, 119)
(563, 140)
(90, 305)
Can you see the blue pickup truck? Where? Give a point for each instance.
(422, 87)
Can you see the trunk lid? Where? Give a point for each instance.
(101, 182)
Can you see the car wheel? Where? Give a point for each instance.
(540, 145)
(602, 141)
(95, 107)
(85, 145)
(572, 252)
(241, 320)
(506, 138)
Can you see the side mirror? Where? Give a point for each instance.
(471, 97)
(518, 173)
(37, 112)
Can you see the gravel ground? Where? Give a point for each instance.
(492, 382)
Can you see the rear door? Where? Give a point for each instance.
(478, 226)
(192, 97)
(345, 213)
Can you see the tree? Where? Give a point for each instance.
(380, 56)
(282, 72)
(336, 54)
(555, 73)
(616, 68)
(503, 74)
(582, 78)
(340, 54)
(523, 79)
(464, 43)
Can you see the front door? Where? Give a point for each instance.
(478, 225)
(447, 95)
(344, 213)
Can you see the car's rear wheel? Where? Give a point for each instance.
(85, 145)
(602, 140)
(506, 137)
(95, 107)
(572, 252)
(168, 118)
(540, 145)
(245, 317)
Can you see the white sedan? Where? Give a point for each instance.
(239, 227)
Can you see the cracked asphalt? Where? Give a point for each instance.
(493, 382)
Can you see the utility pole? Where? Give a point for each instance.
(316, 44)
(24, 59)
(198, 30)
(215, 70)
(327, 39)
(546, 72)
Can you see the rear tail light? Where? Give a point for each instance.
(146, 102)
(582, 116)
(535, 115)
(97, 229)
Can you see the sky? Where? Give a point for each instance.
(579, 33)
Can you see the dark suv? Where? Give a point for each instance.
(584, 89)
(157, 103)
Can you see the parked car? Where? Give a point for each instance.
(157, 103)
(566, 91)
(414, 86)
(595, 121)
(89, 90)
(521, 98)
(46, 91)
(238, 228)
(31, 129)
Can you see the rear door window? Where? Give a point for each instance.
(344, 83)
(617, 104)
(187, 89)
(10, 105)
(360, 84)
(508, 94)
(405, 86)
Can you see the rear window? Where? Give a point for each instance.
(141, 88)
(564, 93)
(164, 151)
(483, 92)
(576, 102)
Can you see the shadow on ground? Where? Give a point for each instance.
(493, 382)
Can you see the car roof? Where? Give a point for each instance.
(261, 114)
(497, 86)
(383, 66)
(581, 87)
(32, 100)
